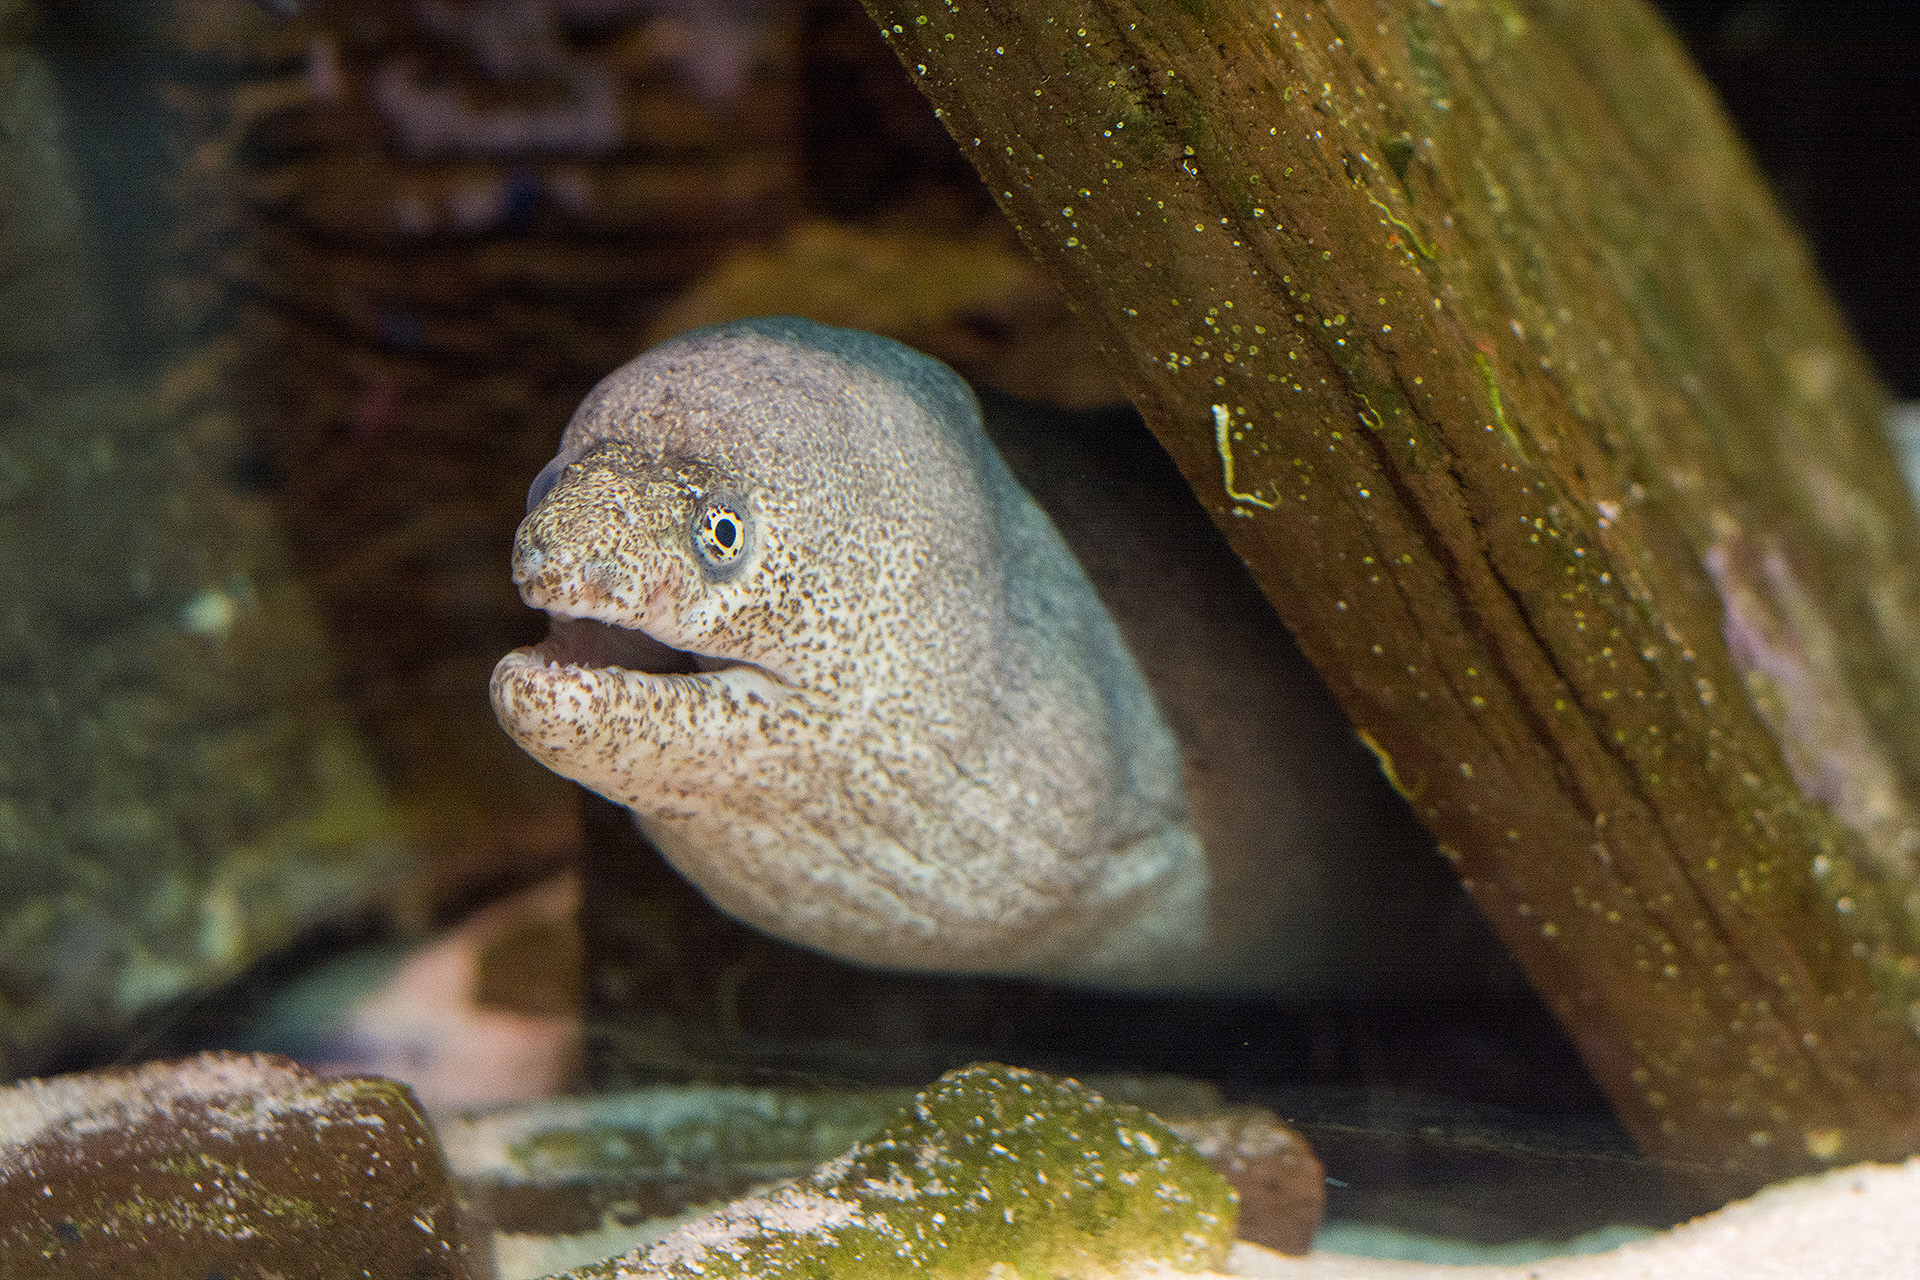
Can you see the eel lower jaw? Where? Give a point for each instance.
(590, 643)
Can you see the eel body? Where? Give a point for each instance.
(844, 671)
(853, 684)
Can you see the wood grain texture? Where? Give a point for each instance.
(1474, 327)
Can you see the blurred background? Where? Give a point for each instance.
(301, 295)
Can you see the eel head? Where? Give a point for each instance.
(642, 568)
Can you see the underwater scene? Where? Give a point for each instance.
(1042, 641)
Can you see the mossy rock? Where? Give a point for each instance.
(993, 1170)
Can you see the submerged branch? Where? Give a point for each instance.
(1474, 327)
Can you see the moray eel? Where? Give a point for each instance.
(844, 671)
(853, 684)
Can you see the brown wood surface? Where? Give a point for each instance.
(1473, 325)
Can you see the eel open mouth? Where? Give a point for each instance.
(588, 642)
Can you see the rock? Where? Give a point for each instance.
(993, 1170)
(1280, 1180)
(222, 1165)
(1283, 1189)
(569, 1181)
(180, 791)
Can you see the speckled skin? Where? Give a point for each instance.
(909, 733)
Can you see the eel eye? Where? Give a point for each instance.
(720, 534)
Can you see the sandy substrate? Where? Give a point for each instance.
(1861, 1223)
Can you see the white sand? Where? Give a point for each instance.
(1861, 1223)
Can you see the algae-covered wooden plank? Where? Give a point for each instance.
(1473, 325)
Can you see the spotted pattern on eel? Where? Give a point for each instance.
(844, 671)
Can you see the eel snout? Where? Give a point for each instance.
(592, 589)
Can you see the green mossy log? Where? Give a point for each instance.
(1475, 328)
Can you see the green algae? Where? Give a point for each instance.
(226, 1204)
(992, 1171)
